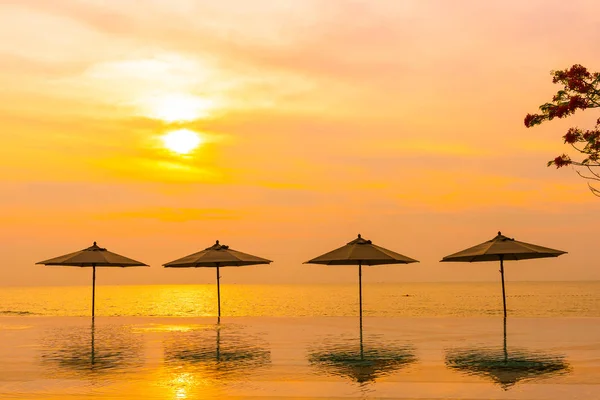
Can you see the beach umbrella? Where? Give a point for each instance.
(94, 256)
(502, 248)
(216, 256)
(504, 367)
(361, 252)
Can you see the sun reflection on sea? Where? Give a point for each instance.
(169, 328)
(181, 384)
(181, 393)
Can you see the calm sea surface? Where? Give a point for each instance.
(418, 341)
(300, 357)
(524, 299)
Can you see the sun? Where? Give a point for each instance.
(182, 141)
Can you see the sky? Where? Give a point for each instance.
(314, 121)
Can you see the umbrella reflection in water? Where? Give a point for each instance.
(360, 361)
(506, 368)
(91, 350)
(233, 353)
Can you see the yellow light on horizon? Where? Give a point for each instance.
(182, 141)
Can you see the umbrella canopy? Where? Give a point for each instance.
(502, 248)
(505, 248)
(361, 252)
(93, 256)
(216, 256)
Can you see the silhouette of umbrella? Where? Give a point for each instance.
(94, 256)
(233, 355)
(107, 349)
(503, 367)
(361, 252)
(216, 256)
(362, 364)
(502, 248)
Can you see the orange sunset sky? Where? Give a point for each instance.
(317, 120)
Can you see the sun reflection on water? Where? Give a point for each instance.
(182, 383)
(167, 328)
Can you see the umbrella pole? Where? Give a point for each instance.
(93, 350)
(93, 290)
(503, 292)
(218, 293)
(505, 348)
(360, 308)
(360, 294)
(218, 342)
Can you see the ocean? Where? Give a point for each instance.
(524, 299)
(416, 341)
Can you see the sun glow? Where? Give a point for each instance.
(179, 107)
(182, 141)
